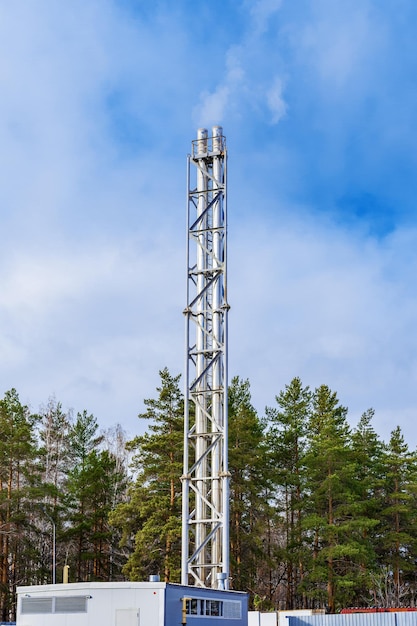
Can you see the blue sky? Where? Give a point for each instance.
(100, 100)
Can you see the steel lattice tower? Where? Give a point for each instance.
(205, 514)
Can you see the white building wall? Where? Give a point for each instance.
(280, 618)
(256, 618)
(124, 604)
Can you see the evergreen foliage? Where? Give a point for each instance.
(334, 527)
(286, 441)
(151, 519)
(321, 515)
(397, 542)
(248, 486)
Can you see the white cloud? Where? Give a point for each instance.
(77, 324)
(214, 106)
(88, 266)
(315, 301)
(339, 45)
(261, 11)
(276, 102)
(94, 130)
(248, 86)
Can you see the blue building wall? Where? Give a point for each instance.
(173, 606)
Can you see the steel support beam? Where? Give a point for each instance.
(205, 481)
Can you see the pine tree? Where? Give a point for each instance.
(151, 519)
(54, 465)
(287, 443)
(397, 545)
(367, 449)
(115, 442)
(249, 482)
(333, 529)
(18, 451)
(104, 479)
(54, 426)
(83, 448)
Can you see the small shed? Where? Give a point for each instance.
(129, 604)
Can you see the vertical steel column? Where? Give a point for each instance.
(205, 522)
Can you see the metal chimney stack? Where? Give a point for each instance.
(205, 515)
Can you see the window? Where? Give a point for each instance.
(204, 607)
(213, 607)
(193, 607)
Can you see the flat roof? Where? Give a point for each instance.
(85, 586)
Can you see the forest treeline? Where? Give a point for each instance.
(322, 515)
